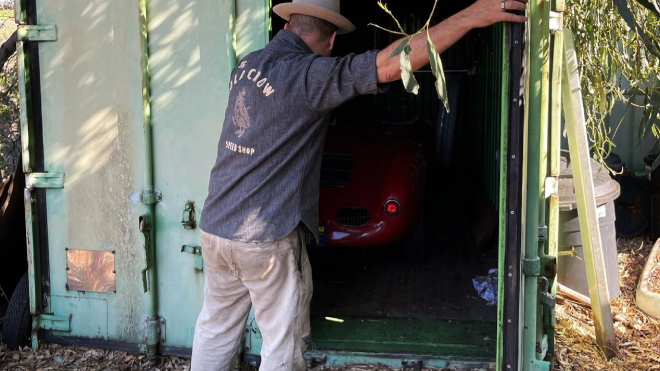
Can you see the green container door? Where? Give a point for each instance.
(190, 62)
(96, 279)
(92, 133)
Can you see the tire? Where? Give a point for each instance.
(416, 243)
(17, 326)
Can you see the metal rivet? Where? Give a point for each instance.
(515, 100)
(510, 274)
(509, 321)
(511, 267)
(513, 156)
(516, 42)
(512, 212)
(508, 366)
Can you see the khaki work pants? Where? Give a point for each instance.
(275, 278)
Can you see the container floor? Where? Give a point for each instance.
(375, 300)
(381, 283)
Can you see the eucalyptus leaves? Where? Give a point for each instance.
(619, 52)
(403, 51)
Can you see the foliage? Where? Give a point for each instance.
(618, 49)
(9, 105)
(9, 118)
(403, 51)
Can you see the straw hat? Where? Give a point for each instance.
(327, 10)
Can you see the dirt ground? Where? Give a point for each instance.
(638, 335)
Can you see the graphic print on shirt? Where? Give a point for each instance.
(241, 117)
(252, 75)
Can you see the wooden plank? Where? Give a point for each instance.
(594, 258)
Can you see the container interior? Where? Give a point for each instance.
(372, 299)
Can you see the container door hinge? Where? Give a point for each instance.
(145, 228)
(531, 267)
(197, 251)
(188, 220)
(44, 180)
(151, 198)
(36, 33)
(52, 322)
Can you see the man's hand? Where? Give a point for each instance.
(483, 13)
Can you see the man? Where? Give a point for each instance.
(264, 185)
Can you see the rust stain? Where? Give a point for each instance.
(104, 215)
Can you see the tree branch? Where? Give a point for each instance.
(7, 49)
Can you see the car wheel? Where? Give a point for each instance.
(416, 243)
(17, 325)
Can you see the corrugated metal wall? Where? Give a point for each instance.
(477, 140)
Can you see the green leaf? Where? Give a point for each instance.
(399, 49)
(626, 14)
(438, 72)
(407, 76)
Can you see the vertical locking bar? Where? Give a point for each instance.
(537, 90)
(554, 159)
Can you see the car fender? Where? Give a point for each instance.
(402, 178)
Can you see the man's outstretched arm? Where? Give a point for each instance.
(483, 13)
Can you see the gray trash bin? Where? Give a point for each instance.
(571, 271)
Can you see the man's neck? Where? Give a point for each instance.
(312, 42)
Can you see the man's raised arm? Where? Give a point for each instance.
(483, 13)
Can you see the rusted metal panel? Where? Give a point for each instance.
(89, 270)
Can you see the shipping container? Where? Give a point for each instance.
(122, 103)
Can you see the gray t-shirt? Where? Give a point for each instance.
(266, 177)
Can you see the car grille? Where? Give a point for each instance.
(336, 169)
(353, 216)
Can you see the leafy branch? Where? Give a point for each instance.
(619, 50)
(403, 50)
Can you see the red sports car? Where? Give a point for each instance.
(372, 186)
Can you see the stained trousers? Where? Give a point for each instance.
(273, 277)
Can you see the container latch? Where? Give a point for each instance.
(197, 251)
(531, 267)
(188, 220)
